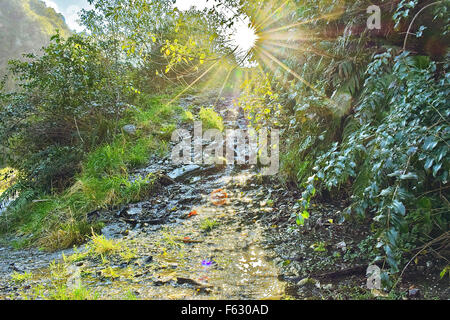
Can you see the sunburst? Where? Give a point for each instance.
(258, 41)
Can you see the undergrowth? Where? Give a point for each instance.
(59, 220)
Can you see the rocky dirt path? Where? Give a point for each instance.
(183, 244)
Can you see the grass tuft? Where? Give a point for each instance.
(59, 220)
(211, 119)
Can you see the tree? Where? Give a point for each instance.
(66, 104)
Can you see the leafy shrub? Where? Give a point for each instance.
(397, 156)
(68, 102)
(59, 220)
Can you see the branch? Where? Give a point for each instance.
(414, 19)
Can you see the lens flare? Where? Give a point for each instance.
(245, 38)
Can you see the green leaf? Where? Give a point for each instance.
(436, 169)
(443, 272)
(428, 163)
(300, 220)
(305, 214)
(409, 176)
(429, 144)
(399, 207)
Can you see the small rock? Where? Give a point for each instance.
(414, 293)
(183, 172)
(328, 286)
(134, 211)
(159, 281)
(130, 129)
(342, 245)
(306, 282)
(191, 282)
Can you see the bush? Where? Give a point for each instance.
(397, 155)
(59, 220)
(68, 102)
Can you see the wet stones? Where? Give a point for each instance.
(134, 211)
(191, 282)
(184, 172)
(414, 293)
(149, 259)
(308, 287)
(115, 231)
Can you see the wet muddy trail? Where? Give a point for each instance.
(185, 243)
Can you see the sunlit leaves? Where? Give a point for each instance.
(67, 103)
(397, 148)
(259, 100)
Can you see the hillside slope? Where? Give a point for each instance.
(26, 26)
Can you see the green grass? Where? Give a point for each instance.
(211, 119)
(188, 116)
(66, 282)
(130, 296)
(65, 293)
(57, 221)
(208, 225)
(21, 277)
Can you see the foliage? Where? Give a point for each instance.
(398, 154)
(68, 103)
(21, 277)
(7, 179)
(27, 26)
(169, 46)
(102, 247)
(62, 293)
(259, 101)
(60, 220)
(359, 116)
(211, 119)
(208, 225)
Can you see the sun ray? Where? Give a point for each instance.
(216, 74)
(194, 82)
(260, 25)
(289, 36)
(224, 84)
(287, 46)
(326, 16)
(292, 72)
